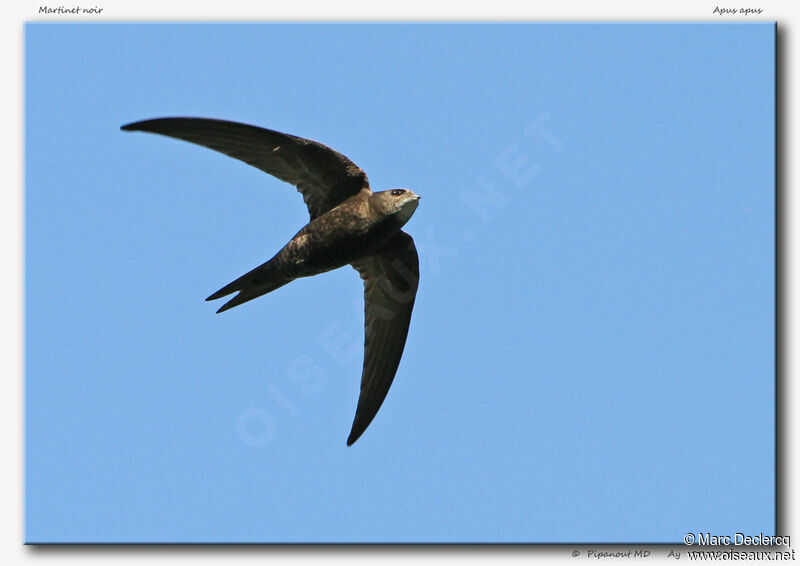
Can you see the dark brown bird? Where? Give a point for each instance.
(349, 225)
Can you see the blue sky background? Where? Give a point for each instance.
(591, 353)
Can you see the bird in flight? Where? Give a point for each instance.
(349, 224)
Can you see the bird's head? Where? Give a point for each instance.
(400, 203)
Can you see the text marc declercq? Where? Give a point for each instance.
(740, 539)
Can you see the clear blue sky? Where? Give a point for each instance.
(591, 354)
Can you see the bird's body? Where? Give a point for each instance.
(339, 237)
(355, 229)
(349, 224)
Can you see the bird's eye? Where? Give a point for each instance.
(398, 192)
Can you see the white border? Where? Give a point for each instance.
(11, 232)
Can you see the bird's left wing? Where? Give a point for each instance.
(391, 277)
(324, 176)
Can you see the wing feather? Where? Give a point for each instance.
(322, 175)
(391, 278)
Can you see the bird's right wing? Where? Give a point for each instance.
(391, 278)
(324, 176)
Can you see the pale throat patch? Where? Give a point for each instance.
(407, 210)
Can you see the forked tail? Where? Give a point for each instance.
(251, 285)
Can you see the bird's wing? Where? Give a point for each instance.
(325, 177)
(391, 277)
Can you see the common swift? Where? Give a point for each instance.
(349, 224)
